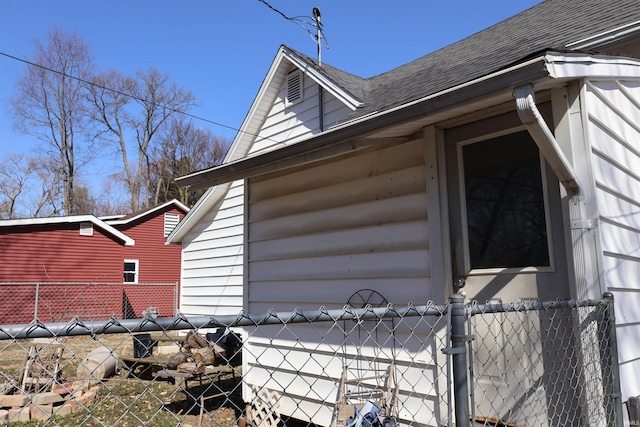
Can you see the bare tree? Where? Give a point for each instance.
(183, 148)
(133, 111)
(14, 172)
(29, 187)
(50, 104)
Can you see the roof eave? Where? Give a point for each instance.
(128, 241)
(502, 81)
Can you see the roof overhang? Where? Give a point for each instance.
(146, 212)
(360, 133)
(75, 219)
(548, 70)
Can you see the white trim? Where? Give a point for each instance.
(606, 37)
(576, 65)
(146, 212)
(320, 79)
(128, 241)
(207, 201)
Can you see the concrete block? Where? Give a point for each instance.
(86, 399)
(4, 414)
(66, 409)
(46, 398)
(19, 414)
(40, 412)
(11, 400)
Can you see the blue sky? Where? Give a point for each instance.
(221, 49)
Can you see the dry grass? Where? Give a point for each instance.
(127, 400)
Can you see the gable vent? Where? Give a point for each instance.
(86, 229)
(170, 222)
(294, 87)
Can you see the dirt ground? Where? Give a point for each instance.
(131, 398)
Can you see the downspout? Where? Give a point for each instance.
(543, 137)
(320, 108)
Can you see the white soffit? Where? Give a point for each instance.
(575, 65)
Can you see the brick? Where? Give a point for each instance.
(11, 400)
(65, 388)
(46, 398)
(19, 414)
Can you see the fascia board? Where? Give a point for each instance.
(178, 204)
(128, 241)
(564, 66)
(255, 116)
(322, 80)
(209, 199)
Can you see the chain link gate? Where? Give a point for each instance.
(535, 363)
(287, 367)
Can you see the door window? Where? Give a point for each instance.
(504, 199)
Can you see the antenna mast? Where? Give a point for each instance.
(316, 17)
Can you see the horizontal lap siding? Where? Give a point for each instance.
(212, 259)
(286, 123)
(614, 135)
(212, 264)
(316, 236)
(364, 217)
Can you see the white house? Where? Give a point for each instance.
(399, 182)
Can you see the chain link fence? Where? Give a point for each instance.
(59, 302)
(519, 364)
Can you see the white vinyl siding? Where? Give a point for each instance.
(319, 234)
(287, 123)
(614, 136)
(212, 252)
(212, 260)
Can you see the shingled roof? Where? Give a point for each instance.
(550, 25)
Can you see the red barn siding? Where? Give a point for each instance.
(59, 253)
(158, 262)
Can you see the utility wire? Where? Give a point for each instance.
(193, 116)
(301, 21)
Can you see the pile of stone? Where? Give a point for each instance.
(63, 399)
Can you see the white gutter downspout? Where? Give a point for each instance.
(543, 137)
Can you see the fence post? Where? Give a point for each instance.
(35, 304)
(176, 295)
(459, 353)
(610, 367)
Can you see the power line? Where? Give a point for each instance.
(301, 21)
(193, 116)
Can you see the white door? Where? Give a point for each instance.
(507, 246)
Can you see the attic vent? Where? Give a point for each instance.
(294, 87)
(86, 229)
(170, 222)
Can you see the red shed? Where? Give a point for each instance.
(61, 267)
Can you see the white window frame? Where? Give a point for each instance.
(136, 271)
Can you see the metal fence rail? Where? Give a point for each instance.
(517, 364)
(59, 301)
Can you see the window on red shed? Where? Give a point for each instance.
(130, 271)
